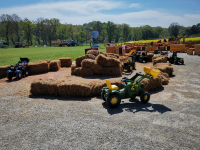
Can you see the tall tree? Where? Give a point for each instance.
(125, 32)
(110, 28)
(174, 29)
(27, 28)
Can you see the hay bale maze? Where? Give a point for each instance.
(3, 71)
(97, 63)
(71, 87)
(159, 59)
(55, 65)
(66, 61)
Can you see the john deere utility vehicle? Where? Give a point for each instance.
(129, 63)
(133, 87)
(18, 70)
(141, 56)
(174, 59)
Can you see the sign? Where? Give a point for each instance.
(95, 39)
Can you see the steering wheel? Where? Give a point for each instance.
(124, 79)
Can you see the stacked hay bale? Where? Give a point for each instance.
(55, 65)
(3, 71)
(71, 87)
(97, 63)
(164, 67)
(66, 61)
(38, 67)
(150, 85)
(159, 59)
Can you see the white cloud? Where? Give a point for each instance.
(79, 12)
(134, 5)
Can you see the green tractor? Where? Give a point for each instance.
(175, 60)
(141, 56)
(133, 87)
(129, 63)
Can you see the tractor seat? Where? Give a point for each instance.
(111, 87)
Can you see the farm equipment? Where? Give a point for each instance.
(174, 59)
(128, 63)
(157, 52)
(19, 69)
(133, 87)
(141, 56)
(71, 43)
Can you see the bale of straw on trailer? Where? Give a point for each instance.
(79, 59)
(45, 87)
(87, 63)
(38, 67)
(106, 61)
(164, 77)
(3, 71)
(93, 52)
(159, 59)
(150, 85)
(55, 65)
(97, 69)
(149, 57)
(164, 67)
(66, 61)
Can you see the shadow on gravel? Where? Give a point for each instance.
(59, 98)
(158, 90)
(136, 106)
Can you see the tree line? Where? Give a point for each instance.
(42, 31)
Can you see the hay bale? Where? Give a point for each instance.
(72, 69)
(103, 53)
(164, 67)
(164, 77)
(79, 59)
(55, 65)
(112, 71)
(86, 72)
(149, 57)
(93, 52)
(45, 87)
(87, 63)
(112, 56)
(106, 61)
(66, 61)
(97, 69)
(159, 59)
(38, 67)
(150, 85)
(77, 71)
(116, 55)
(3, 71)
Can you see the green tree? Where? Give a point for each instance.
(110, 28)
(125, 32)
(174, 29)
(27, 30)
(81, 35)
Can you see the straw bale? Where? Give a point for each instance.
(103, 53)
(116, 55)
(112, 56)
(55, 65)
(112, 71)
(87, 63)
(86, 72)
(93, 52)
(3, 71)
(38, 67)
(77, 71)
(150, 85)
(66, 61)
(164, 67)
(164, 77)
(159, 59)
(149, 57)
(79, 59)
(45, 87)
(97, 69)
(72, 69)
(106, 61)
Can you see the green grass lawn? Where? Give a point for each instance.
(11, 56)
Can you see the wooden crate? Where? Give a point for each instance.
(178, 48)
(196, 49)
(190, 51)
(110, 50)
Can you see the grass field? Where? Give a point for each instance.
(11, 56)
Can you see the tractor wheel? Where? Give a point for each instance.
(141, 60)
(145, 97)
(182, 62)
(9, 76)
(113, 100)
(19, 75)
(134, 66)
(130, 68)
(102, 95)
(146, 60)
(171, 60)
(26, 73)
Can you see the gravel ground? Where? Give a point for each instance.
(171, 120)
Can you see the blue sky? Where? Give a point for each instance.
(133, 12)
